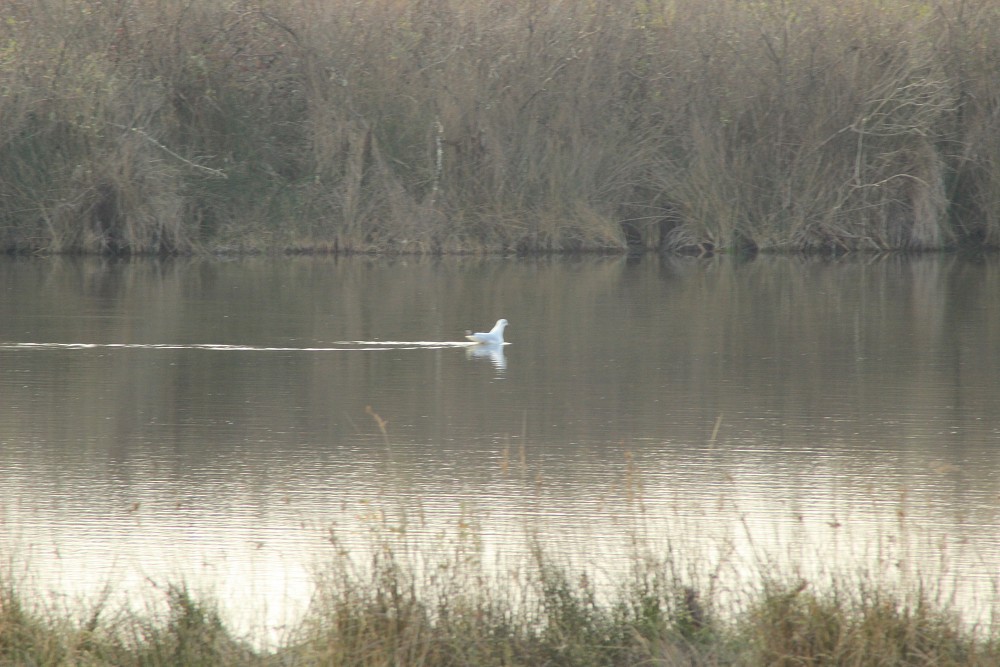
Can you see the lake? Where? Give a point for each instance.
(235, 424)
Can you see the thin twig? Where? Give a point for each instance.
(218, 173)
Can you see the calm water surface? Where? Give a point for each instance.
(218, 423)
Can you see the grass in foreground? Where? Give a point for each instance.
(460, 615)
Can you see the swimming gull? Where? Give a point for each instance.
(494, 337)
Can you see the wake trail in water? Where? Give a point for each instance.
(336, 346)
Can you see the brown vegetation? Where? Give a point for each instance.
(456, 614)
(491, 126)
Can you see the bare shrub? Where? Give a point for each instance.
(411, 126)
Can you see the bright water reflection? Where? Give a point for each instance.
(216, 422)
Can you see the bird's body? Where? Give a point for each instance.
(493, 337)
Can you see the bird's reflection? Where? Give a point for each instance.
(492, 352)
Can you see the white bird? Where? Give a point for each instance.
(494, 337)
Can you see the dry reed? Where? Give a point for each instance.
(409, 126)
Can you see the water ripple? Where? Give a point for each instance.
(336, 346)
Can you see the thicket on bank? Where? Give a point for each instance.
(454, 126)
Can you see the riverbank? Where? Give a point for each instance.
(492, 127)
(398, 613)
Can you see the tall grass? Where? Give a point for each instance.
(412, 597)
(488, 126)
(397, 611)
